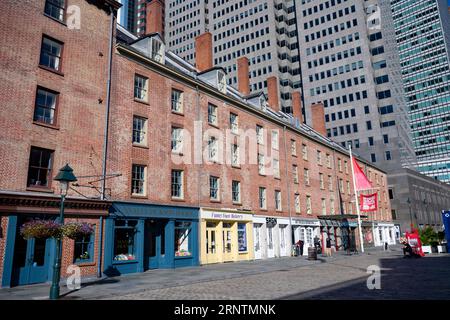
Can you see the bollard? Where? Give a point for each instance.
(312, 253)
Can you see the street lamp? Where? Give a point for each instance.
(65, 176)
(410, 213)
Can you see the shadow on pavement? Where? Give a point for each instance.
(426, 278)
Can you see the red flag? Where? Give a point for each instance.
(368, 202)
(361, 181)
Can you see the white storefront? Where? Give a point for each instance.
(384, 233)
(306, 230)
(272, 237)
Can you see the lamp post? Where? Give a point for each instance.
(410, 213)
(64, 176)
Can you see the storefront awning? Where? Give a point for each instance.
(144, 210)
(341, 217)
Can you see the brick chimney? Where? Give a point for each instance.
(318, 118)
(204, 52)
(243, 78)
(297, 106)
(272, 92)
(155, 18)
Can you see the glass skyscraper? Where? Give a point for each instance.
(423, 40)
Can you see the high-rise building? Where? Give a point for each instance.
(423, 39)
(263, 31)
(127, 15)
(350, 64)
(133, 16)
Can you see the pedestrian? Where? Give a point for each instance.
(300, 244)
(328, 247)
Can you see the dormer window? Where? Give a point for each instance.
(221, 82)
(157, 50)
(263, 103)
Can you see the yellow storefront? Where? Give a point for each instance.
(225, 236)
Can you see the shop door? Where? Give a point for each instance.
(227, 240)
(31, 260)
(154, 245)
(257, 240)
(283, 241)
(309, 239)
(211, 242)
(270, 243)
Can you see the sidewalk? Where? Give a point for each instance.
(165, 278)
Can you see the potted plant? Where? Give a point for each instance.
(428, 237)
(74, 230)
(41, 229)
(442, 248)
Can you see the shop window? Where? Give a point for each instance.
(242, 237)
(125, 240)
(84, 249)
(182, 233)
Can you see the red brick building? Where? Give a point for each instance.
(188, 157)
(54, 67)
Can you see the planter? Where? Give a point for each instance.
(442, 249)
(74, 230)
(426, 249)
(41, 229)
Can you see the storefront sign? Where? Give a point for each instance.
(369, 202)
(225, 216)
(271, 222)
(302, 222)
(446, 221)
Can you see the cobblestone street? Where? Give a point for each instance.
(339, 277)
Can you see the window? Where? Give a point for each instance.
(328, 160)
(319, 157)
(321, 180)
(259, 134)
(346, 166)
(277, 200)
(385, 138)
(55, 9)
(45, 106)
(234, 124)
(235, 155)
(177, 184)
(293, 148)
(373, 157)
(295, 173)
(183, 247)
(212, 114)
(262, 198)
(305, 152)
(261, 164)
(236, 191)
(84, 249)
(213, 149)
(306, 176)
(138, 180)
(332, 207)
(51, 51)
(242, 237)
(388, 156)
(177, 101)
(349, 191)
(139, 130)
(275, 140)
(330, 183)
(125, 240)
(276, 168)
(324, 206)
(214, 188)
(297, 203)
(340, 165)
(40, 167)
(371, 141)
(341, 185)
(177, 140)
(140, 87)
(308, 205)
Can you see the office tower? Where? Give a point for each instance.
(126, 16)
(349, 63)
(263, 31)
(423, 38)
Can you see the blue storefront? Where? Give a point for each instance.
(139, 237)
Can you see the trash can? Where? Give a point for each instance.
(312, 253)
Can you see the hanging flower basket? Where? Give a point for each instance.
(41, 229)
(74, 230)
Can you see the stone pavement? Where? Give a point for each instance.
(338, 277)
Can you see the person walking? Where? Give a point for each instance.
(300, 244)
(328, 247)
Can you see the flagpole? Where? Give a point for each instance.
(357, 202)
